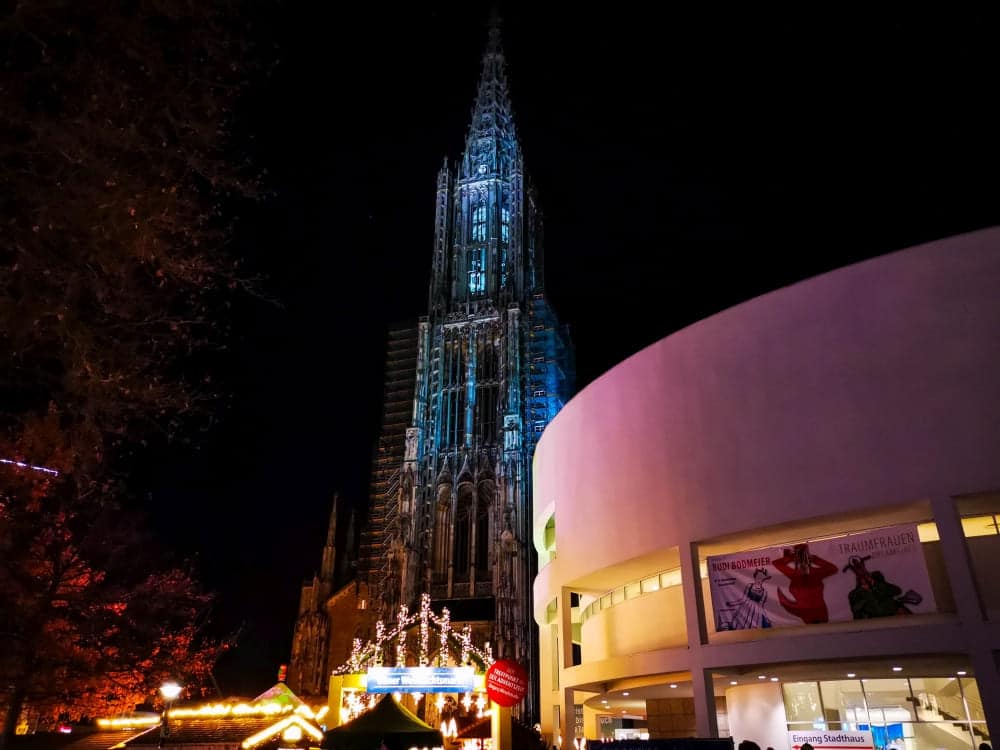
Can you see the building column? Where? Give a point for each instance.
(970, 612)
(568, 718)
(563, 661)
(706, 722)
(694, 605)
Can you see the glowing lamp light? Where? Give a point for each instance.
(170, 690)
(292, 733)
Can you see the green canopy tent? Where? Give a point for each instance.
(387, 724)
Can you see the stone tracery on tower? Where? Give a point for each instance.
(468, 392)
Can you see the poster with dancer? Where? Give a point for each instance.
(878, 573)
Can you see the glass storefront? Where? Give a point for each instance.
(918, 713)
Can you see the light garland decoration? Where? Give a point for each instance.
(365, 656)
(425, 608)
(466, 643)
(213, 710)
(280, 726)
(401, 643)
(445, 627)
(454, 648)
(127, 722)
(379, 639)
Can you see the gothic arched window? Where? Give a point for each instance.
(479, 223)
(505, 225)
(477, 270)
(440, 549)
(483, 539)
(463, 540)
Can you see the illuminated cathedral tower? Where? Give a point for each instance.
(493, 366)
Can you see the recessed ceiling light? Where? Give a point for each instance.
(774, 679)
(733, 682)
(673, 685)
(897, 669)
(961, 673)
(762, 677)
(851, 674)
(625, 693)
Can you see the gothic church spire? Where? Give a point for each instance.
(492, 139)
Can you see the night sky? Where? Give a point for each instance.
(685, 163)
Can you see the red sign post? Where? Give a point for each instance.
(506, 683)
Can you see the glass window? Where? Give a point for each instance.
(650, 584)
(505, 225)
(973, 699)
(938, 736)
(938, 699)
(844, 702)
(888, 701)
(477, 270)
(632, 590)
(606, 601)
(980, 526)
(802, 703)
(479, 223)
(618, 596)
(928, 532)
(670, 578)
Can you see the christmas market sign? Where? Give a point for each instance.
(506, 683)
(420, 680)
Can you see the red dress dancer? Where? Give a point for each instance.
(805, 574)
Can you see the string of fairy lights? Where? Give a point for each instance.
(365, 656)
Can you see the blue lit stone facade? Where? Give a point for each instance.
(493, 367)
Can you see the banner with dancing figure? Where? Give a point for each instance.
(878, 573)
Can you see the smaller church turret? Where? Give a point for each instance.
(310, 642)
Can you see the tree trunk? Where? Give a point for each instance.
(11, 714)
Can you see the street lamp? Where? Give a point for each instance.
(169, 690)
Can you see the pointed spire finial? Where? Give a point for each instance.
(331, 531)
(492, 117)
(495, 23)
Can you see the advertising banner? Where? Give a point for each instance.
(879, 573)
(831, 740)
(506, 683)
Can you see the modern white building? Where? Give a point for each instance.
(783, 519)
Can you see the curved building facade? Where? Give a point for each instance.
(780, 523)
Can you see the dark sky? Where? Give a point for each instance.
(685, 163)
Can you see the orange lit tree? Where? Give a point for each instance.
(91, 621)
(120, 177)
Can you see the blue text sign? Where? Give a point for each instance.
(420, 680)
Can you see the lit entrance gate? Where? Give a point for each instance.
(448, 667)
